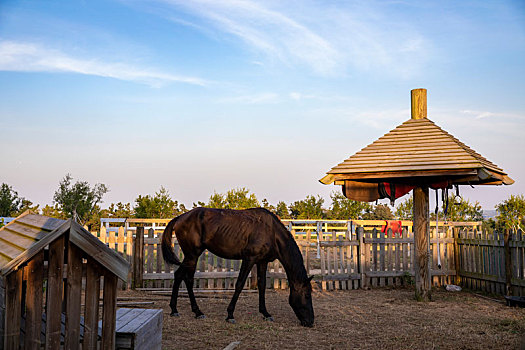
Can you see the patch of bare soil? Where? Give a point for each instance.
(355, 319)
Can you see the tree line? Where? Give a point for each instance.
(82, 201)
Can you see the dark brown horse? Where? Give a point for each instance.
(256, 236)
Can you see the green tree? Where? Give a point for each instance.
(281, 210)
(53, 212)
(10, 202)
(511, 213)
(343, 208)
(379, 212)
(462, 210)
(118, 210)
(404, 210)
(160, 206)
(216, 201)
(267, 205)
(27, 205)
(239, 198)
(309, 208)
(78, 200)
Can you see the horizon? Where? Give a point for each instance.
(207, 96)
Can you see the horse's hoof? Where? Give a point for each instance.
(231, 320)
(174, 314)
(269, 319)
(200, 317)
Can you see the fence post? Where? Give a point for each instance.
(457, 266)
(508, 264)
(138, 258)
(361, 261)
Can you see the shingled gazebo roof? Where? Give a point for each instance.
(418, 148)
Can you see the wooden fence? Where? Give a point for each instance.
(492, 262)
(341, 255)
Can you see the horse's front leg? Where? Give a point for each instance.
(261, 285)
(246, 266)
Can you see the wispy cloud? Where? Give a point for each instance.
(329, 39)
(30, 57)
(487, 114)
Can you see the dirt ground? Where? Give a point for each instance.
(355, 319)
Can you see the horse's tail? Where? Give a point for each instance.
(167, 250)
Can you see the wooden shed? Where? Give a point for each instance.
(52, 273)
(416, 155)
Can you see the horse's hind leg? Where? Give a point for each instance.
(261, 285)
(179, 275)
(246, 266)
(190, 265)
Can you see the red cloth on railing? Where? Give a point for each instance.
(395, 225)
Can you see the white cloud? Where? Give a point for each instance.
(30, 57)
(487, 114)
(329, 39)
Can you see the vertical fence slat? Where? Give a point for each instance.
(138, 258)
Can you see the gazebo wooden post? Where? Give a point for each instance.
(421, 226)
(421, 230)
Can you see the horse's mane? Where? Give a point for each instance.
(290, 252)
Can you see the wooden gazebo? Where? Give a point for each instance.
(416, 155)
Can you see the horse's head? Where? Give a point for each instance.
(301, 302)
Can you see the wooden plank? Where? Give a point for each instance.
(363, 256)
(74, 290)
(108, 258)
(149, 250)
(13, 305)
(201, 267)
(20, 229)
(158, 256)
(35, 281)
(335, 252)
(138, 258)
(40, 221)
(388, 255)
(120, 240)
(128, 319)
(55, 286)
(10, 251)
(92, 304)
(109, 310)
(211, 262)
(508, 264)
(149, 335)
(111, 240)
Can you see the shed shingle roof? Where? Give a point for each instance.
(28, 234)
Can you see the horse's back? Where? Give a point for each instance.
(232, 234)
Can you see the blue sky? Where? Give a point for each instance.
(204, 96)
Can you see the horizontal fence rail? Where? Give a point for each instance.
(340, 254)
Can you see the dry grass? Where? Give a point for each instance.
(357, 319)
